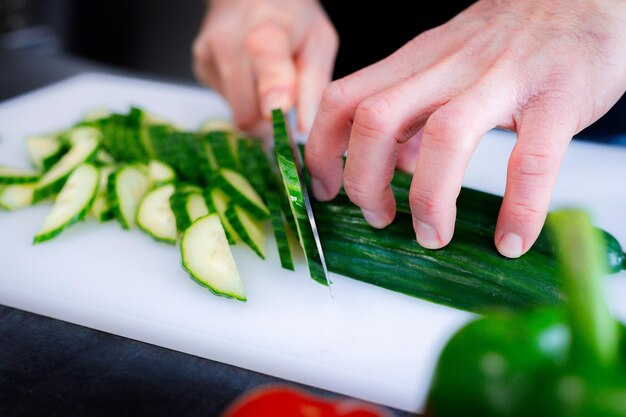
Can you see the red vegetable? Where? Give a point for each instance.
(284, 401)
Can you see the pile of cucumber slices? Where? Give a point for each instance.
(204, 190)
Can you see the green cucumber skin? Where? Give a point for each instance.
(113, 203)
(236, 224)
(183, 151)
(231, 234)
(219, 294)
(49, 161)
(17, 180)
(178, 204)
(286, 164)
(240, 199)
(481, 209)
(258, 171)
(53, 188)
(80, 216)
(222, 148)
(254, 164)
(467, 274)
(280, 230)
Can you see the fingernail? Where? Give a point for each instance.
(374, 219)
(511, 245)
(427, 236)
(319, 189)
(274, 100)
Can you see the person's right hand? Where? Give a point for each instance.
(265, 54)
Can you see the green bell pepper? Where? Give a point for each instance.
(564, 361)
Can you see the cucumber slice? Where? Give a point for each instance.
(13, 197)
(254, 164)
(196, 206)
(188, 205)
(161, 173)
(73, 202)
(84, 142)
(220, 125)
(279, 225)
(242, 193)
(178, 204)
(101, 208)
(155, 216)
(249, 229)
(96, 114)
(104, 158)
(219, 203)
(126, 188)
(10, 175)
(287, 167)
(208, 259)
(223, 146)
(44, 151)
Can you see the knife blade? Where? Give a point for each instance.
(290, 120)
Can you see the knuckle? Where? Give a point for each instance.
(522, 212)
(372, 117)
(335, 96)
(357, 193)
(425, 202)
(445, 130)
(219, 46)
(314, 155)
(533, 163)
(261, 36)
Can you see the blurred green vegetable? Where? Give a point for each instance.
(565, 361)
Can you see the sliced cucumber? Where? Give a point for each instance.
(208, 259)
(223, 146)
(84, 142)
(155, 216)
(253, 165)
(249, 229)
(219, 204)
(73, 202)
(13, 197)
(196, 206)
(178, 204)
(10, 175)
(220, 125)
(104, 158)
(44, 151)
(288, 170)
(242, 193)
(101, 208)
(188, 204)
(279, 224)
(96, 114)
(161, 173)
(126, 188)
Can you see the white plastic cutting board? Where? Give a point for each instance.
(367, 342)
